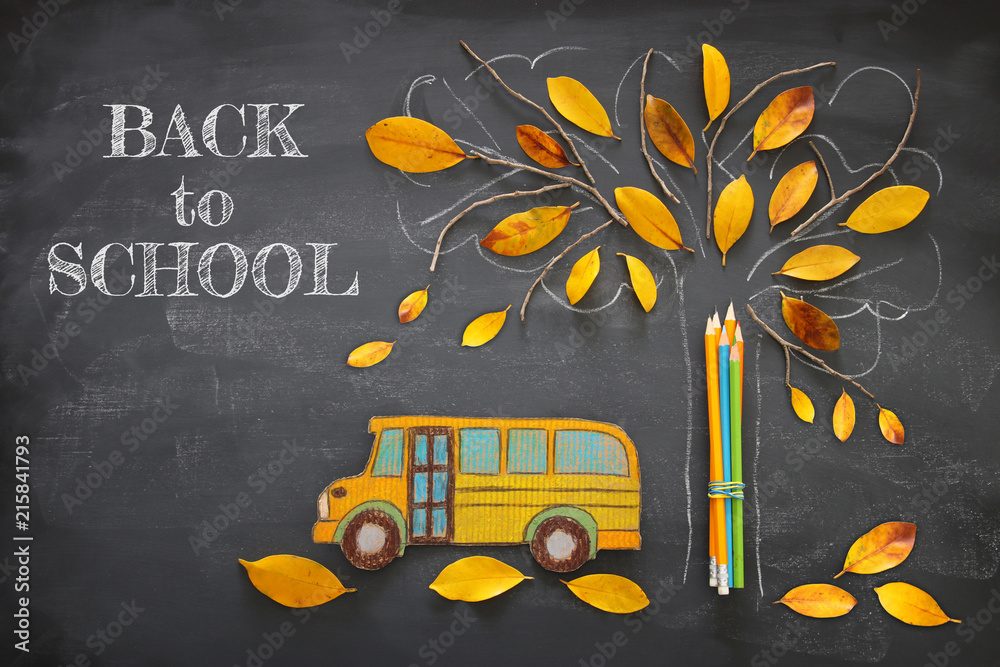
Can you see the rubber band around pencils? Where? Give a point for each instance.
(726, 490)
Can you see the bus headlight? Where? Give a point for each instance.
(323, 506)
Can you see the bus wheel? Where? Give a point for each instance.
(371, 540)
(560, 544)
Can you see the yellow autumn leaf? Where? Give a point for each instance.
(476, 578)
(294, 581)
(582, 276)
(802, 405)
(891, 427)
(642, 281)
(911, 605)
(732, 214)
(792, 192)
(413, 145)
(579, 106)
(650, 218)
(484, 328)
(786, 117)
(668, 132)
(888, 209)
(411, 307)
(542, 148)
(883, 547)
(843, 417)
(819, 600)
(820, 262)
(716, 76)
(609, 592)
(810, 324)
(369, 354)
(528, 231)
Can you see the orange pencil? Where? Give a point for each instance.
(713, 548)
(717, 507)
(730, 324)
(739, 345)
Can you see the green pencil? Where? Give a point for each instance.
(736, 448)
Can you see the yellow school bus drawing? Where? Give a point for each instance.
(566, 487)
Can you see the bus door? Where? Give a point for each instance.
(431, 482)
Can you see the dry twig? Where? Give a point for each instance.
(829, 178)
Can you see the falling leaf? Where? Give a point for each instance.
(732, 214)
(911, 605)
(579, 106)
(843, 416)
(792, 192)
(820, 262)
(786, 117)
(482, 329)
(650, 218)
(810, 324)
(526, 232)
(642, 281)
(888, 209)
(294, 581)
(542, 148)
(369, 354)
(413, 145)
(890, 425)
(609, 592)
(669, 133)
(582, 276)
(413, 305)
(802, 405)
(716, 75)
(476, 578)
(881, 548)
(819, 600)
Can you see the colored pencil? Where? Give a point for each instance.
(730, 324)
(727, 472)
(717, 510)
(713, 549)
(739, 344)
(736, 444)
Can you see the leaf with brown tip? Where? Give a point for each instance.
(891, 427)
(542, 148)
(668, 132)
(732, 214)
(411, 307)
(294, 581)
(911, 605)
(792, 192)
(802, 405)
(484, 328)
(820, 262)
(888, 209)
(843, 417)
(528, 231)
(881, 548)
(715, 74)
(412, 145)
(786, 117)
(819, 600)
(810, 324)
(609, 592)
(579, 106)
(369, 354)
(582, 276)
(642, 281)
(476, 578)
(650, 218)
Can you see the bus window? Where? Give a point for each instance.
(590, 452)
(526, 449)
(480, 450)
(389, 461)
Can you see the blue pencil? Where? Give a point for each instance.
(727, 459)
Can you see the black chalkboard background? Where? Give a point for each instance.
(242, 376)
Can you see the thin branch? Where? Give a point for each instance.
(556, 259)
(902, 142)
(642, 129)
(829, 178)
(808, 355)
(508, 195)
(541, 109)
(559, 177)
(718, 131)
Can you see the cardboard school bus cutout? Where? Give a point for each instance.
(567, 487)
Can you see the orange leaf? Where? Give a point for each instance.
(786, 117)
(642, 281)
(819, 600)
(650, 218)
(802, 405)
(792, 192)
(820, 262)
(579, 106)
(413, 305)
(668, 132)
(526, 232)
(582, 276)
(881, 548)
(810, 324)
(732, 214)
(843, 417)
(412, 145)
(716, 78)
(888, 209)
(484, 328)
(911, 605)
(542, 148)
(890, 425)
(294, 581)
(369, 354)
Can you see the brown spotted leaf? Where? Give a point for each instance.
(528, 231)
(881, 548)
(411, 307)
(668, 132)
(786, 117)
(542, 148)
(891, 427)
(810, 324)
